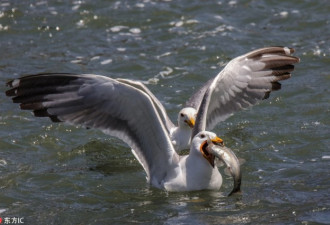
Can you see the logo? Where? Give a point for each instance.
(12, 220)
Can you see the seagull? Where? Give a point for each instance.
(129, 113)
(180, 135)
(245, 81)
(127, 110)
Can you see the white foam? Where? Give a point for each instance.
(95, 58)
(53, 12)
(117, 28)
(76, 7)
(166, 72)
(192, 21)
(76, 61)
(80, 23)
(153, 80)
(5, 4)
(284, 14)
(121, 49)
(139, 5)
(179, 24)
(3, 210)
(232, 3)
(135, 30)
(3, 163)
(107, 61)
(162, 55)
(326, 157)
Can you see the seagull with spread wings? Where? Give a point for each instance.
(130, 114)
(244, 82)
(127, 110)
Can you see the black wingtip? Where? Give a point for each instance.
(11, 92)
(44, 113)
(267, 94)
(276, 86)
(234, 192)
(55, 119)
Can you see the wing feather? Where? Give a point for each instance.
(94, 101)
(245, 81)
(160, 108)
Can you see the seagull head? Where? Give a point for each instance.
(187, 117)
(200, 144)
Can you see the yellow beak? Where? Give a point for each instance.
(217, 141)
(190, 122)
(207, 155)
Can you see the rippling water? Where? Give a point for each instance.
(59, 174)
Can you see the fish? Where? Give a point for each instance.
(228, 157)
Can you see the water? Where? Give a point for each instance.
(59, 174)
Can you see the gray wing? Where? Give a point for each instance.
(196, 99)
(245, 81)
(158, 105)
(100, 102)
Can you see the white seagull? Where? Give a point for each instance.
(128, 113)
(244, 82)
(128, 110)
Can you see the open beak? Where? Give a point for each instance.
(190, 122)
(215, 148)
(205, 151)
(229, 158)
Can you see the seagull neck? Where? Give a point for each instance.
(195, 159)
(185, 127)
(185, 131)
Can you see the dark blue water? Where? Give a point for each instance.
(60, 174)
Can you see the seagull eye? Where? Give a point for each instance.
(202, 135)
(181, 114)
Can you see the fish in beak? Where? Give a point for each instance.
(229, 158)
(215, 148)
(206, 153)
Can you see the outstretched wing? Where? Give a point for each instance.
(245, 81)
(158, 105)
(94, 101)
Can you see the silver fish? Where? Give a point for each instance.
(229, 158)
